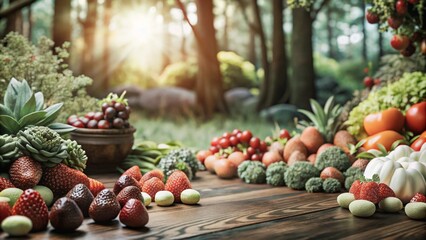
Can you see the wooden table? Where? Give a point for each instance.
(231, 209)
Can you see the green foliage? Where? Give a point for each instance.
(236, 72)
(408, 90)
(299, 173)
(252, 172)
(275, 174)
(393, 66)
(45, 71)
(130, 73)
(314, 185)
(333, 157)
(331, 185)
(24, 108)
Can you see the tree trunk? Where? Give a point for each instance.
(88, 58)
(330, 37)
(183, 43)
(364, 33)
(275, 92)
(62, 22)
(166, 35)
(14, 22)
(106, 43)
(380, 43)
(252, 56)
(209, 89)
(302, 85)
(264, 53)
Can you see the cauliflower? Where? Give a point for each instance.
(333, 157)
(299, 173)
(275, 174)
(252, 172)
(314, 185)
(331, 185)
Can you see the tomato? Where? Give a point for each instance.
(390, 119)
(417, 145)
(246, 136)
(284, 133)
(214, 142)
(385, 138)
(224, 143)
(416, 118)
(255, 142)
(234, 140)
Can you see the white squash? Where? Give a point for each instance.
(403, 170)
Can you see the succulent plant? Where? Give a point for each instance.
(42, 144)
(8, 150)
(77, 158)
(21, 108)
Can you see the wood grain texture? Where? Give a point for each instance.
(234, 210)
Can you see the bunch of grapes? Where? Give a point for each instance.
(406, 19)
(239, 141)
(115, 114)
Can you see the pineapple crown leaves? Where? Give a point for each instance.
(23, 108)
(324, 119)
(42, 144)
(77, 157)
(382, 152)
(115, 97)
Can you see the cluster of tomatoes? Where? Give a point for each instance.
(239, 141)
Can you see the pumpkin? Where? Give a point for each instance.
(403, 170)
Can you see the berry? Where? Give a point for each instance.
(418, 197)
(124, 181)
(385, 191)
(152, 186)
(246, 136)
(25, 172)
(4, 210)
(78, 124)
(356, 188)
(401, 7)
(84, 120)
(123, 115)
(368, 82)
(176, 183)
(399, 42)
(65, 215)
(394, 22)
(32, 205)
(71, 119)
(95, 186)
(105, 106)
(81, 194)
(104, 207)
(110, 113)
(119, 106)
(134, 172)
(128, 193)
(233, 140)
(104, 124)
(90, 115)
(370, 192)
(98, 116)
(372, 17)
(153, 173)
(92, 124)
(284, 133)
(118, 123)
(254, 142)
(224, 143)
(134, 214)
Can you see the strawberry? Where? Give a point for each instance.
(369, 191)
(95, 186)
(176, 183)
(25, 172)
(355, 188)
(5, 183)
(401, 7)
(372, 17)
(153, 173)
(124, 181)
(152, 186)
(385, 191)
(418, 197)
(134, 214)
(32, 205)
(134, 172)
(4, 210)
(61, 179)
(128, 193)
(399, 42)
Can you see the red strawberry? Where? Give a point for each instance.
(372, 17)
(176, 183)
(153, 173)
(95, 186)
(4, 210)
(401, 7)
(370, 192)
(134, 214)
(61, 179)
(128, 193)
(25, 172)
(418, 197)
(152, 186)
(356, 188)
(385, 191)
(123, 182)
(5, 183)
(134, 172)
(31, 205)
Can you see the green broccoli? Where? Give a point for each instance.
(352, 174)
(314, 185)
(299, 173)
(333, 157)
(275, 174)
(331, 185)
(252, 172)
(181, 159)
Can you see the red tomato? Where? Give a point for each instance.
(255, 142)
(417, 145)
(389, 119)
(416, 118)
(246, 136)
(385, 138)
(284, 133)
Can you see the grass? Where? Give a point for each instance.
(194, 133)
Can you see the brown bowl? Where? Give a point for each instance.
(105, 148)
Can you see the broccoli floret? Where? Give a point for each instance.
(180, 159)
(331, 185)
(314, 185)
(353, 172)
(299, 173)
(333, 157)
(275, 174)
(252, 172)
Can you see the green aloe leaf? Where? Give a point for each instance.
(52, 113)
(5, 111)
(319, 112)
(12, 93)
(24, 95)
(32, 118)
(29, 107)
(61, 128)
(8, 125)
(39, 100)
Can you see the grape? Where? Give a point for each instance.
(118, 123)
(123, 115)
(119, 106)
(92, 124)
(103, 124)
(110, 113)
